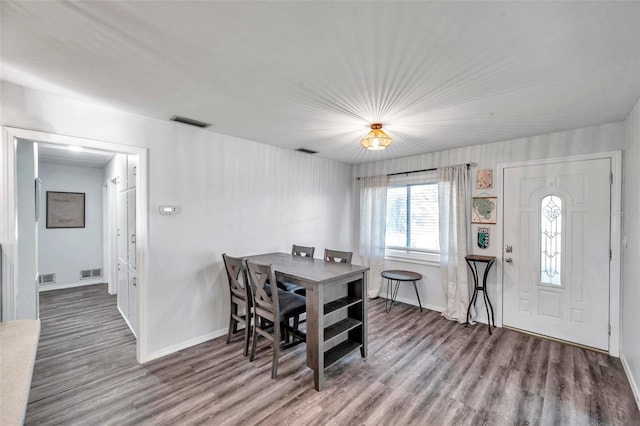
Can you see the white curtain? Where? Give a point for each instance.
(452, 200)
(373, 219)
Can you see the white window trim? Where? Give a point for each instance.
(409, 256)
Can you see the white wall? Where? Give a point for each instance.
(67, 251)
(607, 137)
(630, 351)
(234, 195)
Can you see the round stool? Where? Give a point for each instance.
(399, 276)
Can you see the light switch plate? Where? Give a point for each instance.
(168, 210)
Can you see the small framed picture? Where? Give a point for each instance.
(484, 178)
(483, 210)
(65, 209)
(483, 238)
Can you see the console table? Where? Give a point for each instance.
(473, 261)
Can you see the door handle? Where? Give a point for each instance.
(508, 260)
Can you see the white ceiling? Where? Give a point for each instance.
(438, 75)
(59, 154)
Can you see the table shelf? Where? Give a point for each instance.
(340, 327)
(338, 352)
(343, 302)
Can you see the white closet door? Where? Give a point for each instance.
(131, 226)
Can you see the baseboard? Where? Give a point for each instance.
(124, 317)
(632, 382)
(415, 303)
(42, 287)
(184, 345)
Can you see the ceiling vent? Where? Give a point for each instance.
(190, 121)
(306, 151)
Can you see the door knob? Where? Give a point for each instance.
(508, 260)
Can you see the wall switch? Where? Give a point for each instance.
(168, 210)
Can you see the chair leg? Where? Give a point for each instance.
(247, 329)
(276, 349)
(254, 338)
(231, 326)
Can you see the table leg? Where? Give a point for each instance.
(387, 307)
(489, 312)
(474, 272)
(394, 294)
(315, 339)
(490, 317)
(365, 309)
(417, 295)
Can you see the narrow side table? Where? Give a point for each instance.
(398, 276)
(472, 261)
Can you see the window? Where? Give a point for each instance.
(551, 240)
(412, 228)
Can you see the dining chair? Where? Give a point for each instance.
(338, 256)
(329, 256)
(276, 309)
(240, 297)
(302, 251)
(297, 251)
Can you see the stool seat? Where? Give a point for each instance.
(398, 276)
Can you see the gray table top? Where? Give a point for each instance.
(306, 268)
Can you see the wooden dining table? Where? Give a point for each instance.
(336, 306)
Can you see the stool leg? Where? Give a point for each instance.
(387, 306)
(395, 292)
(415, 287)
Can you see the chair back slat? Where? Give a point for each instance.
(237, 277)
(338, 256)
(265, 302)
(302, 251)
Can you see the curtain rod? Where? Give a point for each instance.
(418, 171)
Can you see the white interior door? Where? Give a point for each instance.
(556, 250)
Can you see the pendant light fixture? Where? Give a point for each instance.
(376, 139)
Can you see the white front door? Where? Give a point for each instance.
(556, 249)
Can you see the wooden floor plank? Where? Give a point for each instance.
(421, 369)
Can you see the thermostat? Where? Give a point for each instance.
(168, 210)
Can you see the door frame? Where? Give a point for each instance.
(10, 136)
(109, 234)
(615, 236)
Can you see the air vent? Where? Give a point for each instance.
(90, 273)
(47, 278)
(190, 121)
(306, 151)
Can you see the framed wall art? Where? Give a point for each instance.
(484, 178)
(65, 209)
(483, 210)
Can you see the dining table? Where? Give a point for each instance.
(336, 306)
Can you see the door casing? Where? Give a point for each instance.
(9, 255)
(615, 232)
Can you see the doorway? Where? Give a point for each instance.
(11, 242)
(558, 249)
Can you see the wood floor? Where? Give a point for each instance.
(421, 369)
